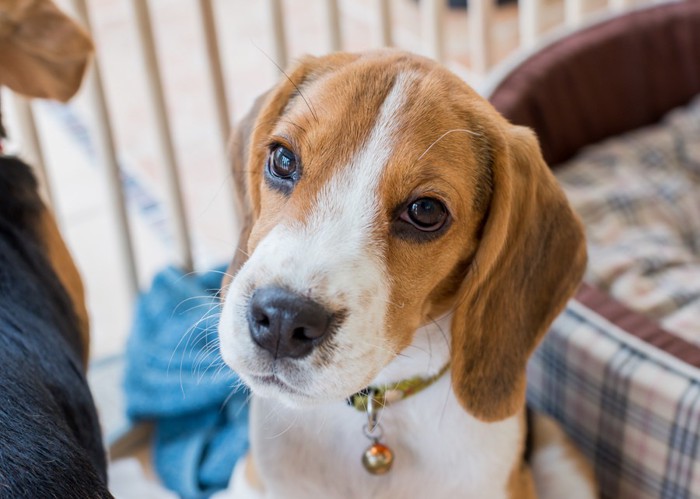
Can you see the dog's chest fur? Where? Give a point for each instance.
(440, 450)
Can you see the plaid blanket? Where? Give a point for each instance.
(633, 411)
(632, 408)
(639, 197)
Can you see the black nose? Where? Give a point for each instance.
(285, 323)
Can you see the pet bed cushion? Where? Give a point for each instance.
(634, 409)
(639, 198)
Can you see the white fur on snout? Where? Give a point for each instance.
(335, 258)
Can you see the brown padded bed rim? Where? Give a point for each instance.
(639, 325)
(604, 80)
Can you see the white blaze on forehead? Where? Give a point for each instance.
(335, 238)
(351, 196)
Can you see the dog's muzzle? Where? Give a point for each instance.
(287, 324)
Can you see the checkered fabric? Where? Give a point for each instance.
(639, 197)
(631, 408)
(634, 414)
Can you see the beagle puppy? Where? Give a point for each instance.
(50, 437)
(404, 250)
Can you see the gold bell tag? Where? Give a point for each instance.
(378, 458)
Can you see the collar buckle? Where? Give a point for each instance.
(372, 411)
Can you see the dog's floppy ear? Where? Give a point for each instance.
(529, 262)
(239, 149)
(43, 53)
(252, 131)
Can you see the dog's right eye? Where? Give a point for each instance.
(282, 169)
(423, 219)
(282, 163)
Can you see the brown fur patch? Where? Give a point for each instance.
(64, 266)
(43, 53)
(567, 464)
(251, 474)
(521, 484)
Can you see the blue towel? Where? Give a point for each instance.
(175, 377)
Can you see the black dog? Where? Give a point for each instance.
(50, 440)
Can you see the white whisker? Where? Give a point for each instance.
(462, 130)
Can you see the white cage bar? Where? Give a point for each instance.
(107, 152)
(334, 33)
(222, 106)
(480, 29)
(573, 12)
(529, 21)
(279, 35)
(385, 31)
(31, 144)
(432, 29)
(179, 221)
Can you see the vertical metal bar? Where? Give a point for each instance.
(108, 157)
(331, 12)
(165, 140)
(480, 13)
(31, 145)
(573, 12)
(216, 71)
(279, 37)
(221, 101)
(385, 35)
(431, 12)
(618, 5)
(529, 15)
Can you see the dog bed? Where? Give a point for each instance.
(620, 368)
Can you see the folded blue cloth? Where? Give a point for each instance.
(175, 377)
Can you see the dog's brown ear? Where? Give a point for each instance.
(239, 149)
(529, 262)
(248, 157)
(43, 53)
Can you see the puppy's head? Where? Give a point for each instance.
(380, 192)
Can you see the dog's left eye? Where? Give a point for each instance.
(425, 214)
(283, 163)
